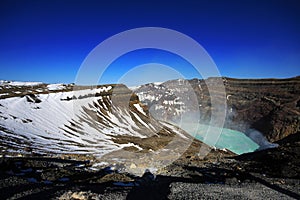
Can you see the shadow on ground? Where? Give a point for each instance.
(50, 178)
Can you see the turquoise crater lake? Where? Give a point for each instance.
(232, 140)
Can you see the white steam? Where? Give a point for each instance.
(260, 139)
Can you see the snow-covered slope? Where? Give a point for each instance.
(170, 100)
(68, 119)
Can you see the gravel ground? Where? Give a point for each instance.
(246, 177)
(217, 191)
(68, 181)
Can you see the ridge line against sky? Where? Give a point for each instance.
(48, 40)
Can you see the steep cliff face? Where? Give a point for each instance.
(271, 106)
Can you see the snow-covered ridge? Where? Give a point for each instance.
(14, 88)
(166, 101)
(68, 119)
(10, 89)
(19, 83)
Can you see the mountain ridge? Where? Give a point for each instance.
(65, 119)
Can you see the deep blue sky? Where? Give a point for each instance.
(48, 40)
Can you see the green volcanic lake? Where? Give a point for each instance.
(221, 138)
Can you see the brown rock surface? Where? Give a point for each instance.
(272, 106)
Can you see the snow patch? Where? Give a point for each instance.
(18, 83)
(58, 86)
(139, 108)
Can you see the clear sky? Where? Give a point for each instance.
(48, 40)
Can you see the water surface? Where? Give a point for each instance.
(221, 138)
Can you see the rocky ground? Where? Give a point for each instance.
(258, 175)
